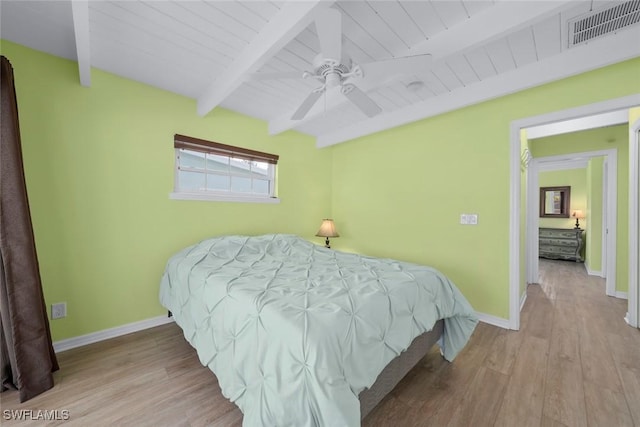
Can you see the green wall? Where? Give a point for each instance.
(400, 193)
(594, 140)
(99, 166)
(577, 180)
(99, 170)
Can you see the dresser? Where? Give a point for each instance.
(560, 243)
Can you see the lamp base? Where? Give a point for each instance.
(326, 244)
(577, 227)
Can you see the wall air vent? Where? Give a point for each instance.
(600, 22)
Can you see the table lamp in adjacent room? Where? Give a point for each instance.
(327, 229)
(578, 215)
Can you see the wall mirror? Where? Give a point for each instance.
(554, 202)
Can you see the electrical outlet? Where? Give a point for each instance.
(59, 310)
(464, 219)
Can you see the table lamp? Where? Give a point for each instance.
(577, 214)
(327, 229)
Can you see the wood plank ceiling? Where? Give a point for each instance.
(206, 50)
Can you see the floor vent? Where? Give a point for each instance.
(595, 24)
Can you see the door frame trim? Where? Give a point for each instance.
(634, 224)
(515, 181)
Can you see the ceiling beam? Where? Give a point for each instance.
(505, 17)
(490, 24)
(582, 123)
(598, 53)
(286, 25)
(80, 11)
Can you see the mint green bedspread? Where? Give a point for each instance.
(294, 331)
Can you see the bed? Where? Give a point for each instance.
(301, 335)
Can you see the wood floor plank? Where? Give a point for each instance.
(387, 413)
(446, 394)
(625, 350)
(564, 343)
(631, 385)
(540, 320)
(480, 407)
(598, 365)
(573, 363)
(605, 407)
(526, 384)
(550, 422)
(564, 393)
(411, 390)
(504, 351)
(232, 418)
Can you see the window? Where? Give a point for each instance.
(207, 170)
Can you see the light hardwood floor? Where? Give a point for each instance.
(574, 363)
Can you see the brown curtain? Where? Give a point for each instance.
(27, 354)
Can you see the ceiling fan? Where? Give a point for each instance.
(336, 71)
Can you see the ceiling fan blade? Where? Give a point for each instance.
(383, 70)
(276, 75)
(329, 28)
(306, 105)
(361, 100)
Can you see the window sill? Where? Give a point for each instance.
(222, 198)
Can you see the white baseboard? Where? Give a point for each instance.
(523, 299)
(493, 320)
(69, 343)
(621, 295)
(591, 272)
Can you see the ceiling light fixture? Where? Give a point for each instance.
(415, 85)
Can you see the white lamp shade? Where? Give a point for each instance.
(577, 214)
(327, 229)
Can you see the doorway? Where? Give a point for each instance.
(609, 205)
(574, 115)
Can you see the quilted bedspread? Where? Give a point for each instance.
(294, 331)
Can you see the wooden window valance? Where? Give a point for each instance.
(202, 145)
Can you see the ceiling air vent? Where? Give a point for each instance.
(604, 21)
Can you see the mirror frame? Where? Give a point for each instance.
(564, 207)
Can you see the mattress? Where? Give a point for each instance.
(295, 332)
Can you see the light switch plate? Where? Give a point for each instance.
(469, 219)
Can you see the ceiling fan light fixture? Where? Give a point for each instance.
(337, 73)
(333, 79)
